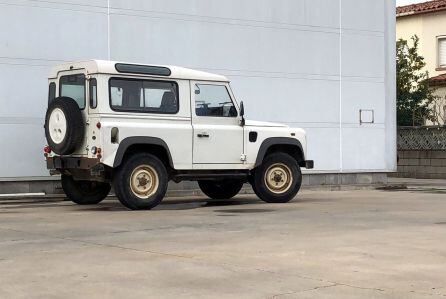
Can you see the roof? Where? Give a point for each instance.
(108, 67)
(421, 8)
(438, 80)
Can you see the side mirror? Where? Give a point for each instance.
(242, 114)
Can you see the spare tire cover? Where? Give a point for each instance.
(64, 126)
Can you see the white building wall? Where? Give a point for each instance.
(307, 63)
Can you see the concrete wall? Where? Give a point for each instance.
(422, 164)
(307, 63)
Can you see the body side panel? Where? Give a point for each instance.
(175, 130)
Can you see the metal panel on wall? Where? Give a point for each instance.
(290, 62)
(36, 35)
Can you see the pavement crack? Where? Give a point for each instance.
(127, 248)
(303, 291)
(324, 281)
(103, 244)
(428, 294)
(358, 287)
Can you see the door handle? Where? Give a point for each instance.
(203, 135)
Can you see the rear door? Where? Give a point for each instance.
(217, 134)
(73, 84)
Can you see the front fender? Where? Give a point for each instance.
(267, 143)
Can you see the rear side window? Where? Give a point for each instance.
(73, 86)
(143, 96)
(93, 93)
(51, 92)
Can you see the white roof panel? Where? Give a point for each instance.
(108, 67)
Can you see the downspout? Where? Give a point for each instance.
(108, 30)
(341, 166)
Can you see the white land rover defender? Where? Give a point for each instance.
(138, 126)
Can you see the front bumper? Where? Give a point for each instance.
(309, 164)
(61, 163)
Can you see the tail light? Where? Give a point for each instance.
(47, 149)
(96, 151)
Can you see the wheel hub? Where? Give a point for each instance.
(144, 181)
(57, 125)
(278, 178)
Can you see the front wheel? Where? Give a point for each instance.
(84, 192)
(221, 189)
(141, 182)
(278, 179)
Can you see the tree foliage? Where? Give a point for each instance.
(414, 96)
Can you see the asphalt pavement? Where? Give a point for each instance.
(345, 244)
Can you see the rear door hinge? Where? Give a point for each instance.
(243, 158)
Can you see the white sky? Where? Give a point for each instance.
(405, 2)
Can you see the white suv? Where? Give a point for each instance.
(138, 126)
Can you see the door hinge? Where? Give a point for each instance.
(243, 158)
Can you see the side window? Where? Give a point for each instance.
(125, 94)
(73, 86)
(160, 97)
(93, 93)
(442, 52)
(51, 92)
(144, 96)
(213, 100)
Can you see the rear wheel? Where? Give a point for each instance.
(278, 179)
(84, 192)
(222, 189)
(141, 182)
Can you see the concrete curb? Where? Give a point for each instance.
(41, 197)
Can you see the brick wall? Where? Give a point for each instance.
(422, 164)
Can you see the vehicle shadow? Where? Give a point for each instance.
(112, 204)
(189, 203)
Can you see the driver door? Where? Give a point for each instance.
(217, 134)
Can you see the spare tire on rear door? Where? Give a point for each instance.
(64, 126)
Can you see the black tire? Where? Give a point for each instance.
(75, 127)
(279, 195)
(84, 192)
(222, 189)
(141, 163)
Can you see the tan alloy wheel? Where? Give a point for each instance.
(278, 178)
(144, 181)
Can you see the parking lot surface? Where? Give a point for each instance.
(347, 244)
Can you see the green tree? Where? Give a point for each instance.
(414, 96)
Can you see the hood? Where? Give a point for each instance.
(254, 123)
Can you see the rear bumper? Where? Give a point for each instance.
(309, 164)
(61, 163)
